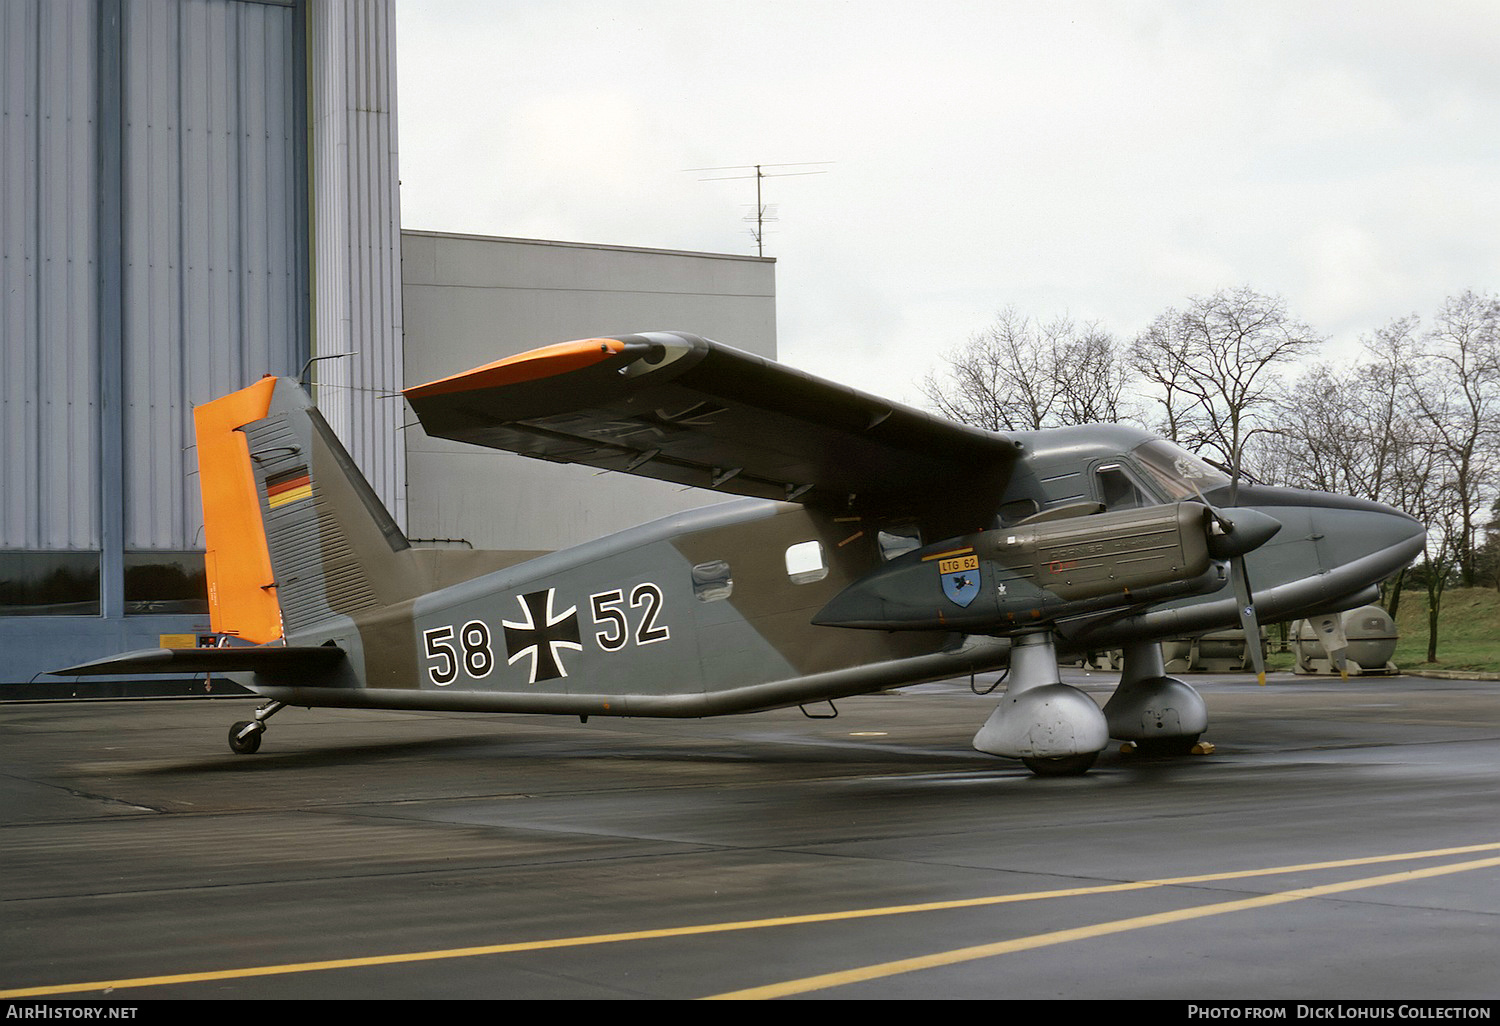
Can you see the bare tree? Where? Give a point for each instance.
(1458, 393)
(1020, 375)
(1439, 506)
(1415, 426)
(1354, 430)
(1216, 367)
(1341, 427)
(1487, 562)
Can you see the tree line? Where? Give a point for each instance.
(1412, 420)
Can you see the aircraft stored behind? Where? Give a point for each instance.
(873, 546)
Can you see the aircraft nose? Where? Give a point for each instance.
(1371, 532)
(1347, 534)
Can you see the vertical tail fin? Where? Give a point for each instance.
(295, 534)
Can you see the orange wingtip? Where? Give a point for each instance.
(534, 365)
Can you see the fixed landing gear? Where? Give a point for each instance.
(1057, 731)
(245, 736)
(1067, 766)
(1153, 713)
(1053, 728)
(1170, 746)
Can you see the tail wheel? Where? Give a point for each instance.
(242, 742)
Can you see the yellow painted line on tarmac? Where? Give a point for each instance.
(1042, 940)
(755, 924)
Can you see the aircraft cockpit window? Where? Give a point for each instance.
(712, 581)
(805, 563)
(898, 539)
(1118, 489)
(1178, 473)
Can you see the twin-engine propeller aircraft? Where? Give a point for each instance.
(874, 546)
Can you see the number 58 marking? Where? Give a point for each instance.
(477, 658)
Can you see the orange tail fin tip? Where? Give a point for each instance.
(241, 590)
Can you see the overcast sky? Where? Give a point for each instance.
(1101, 160)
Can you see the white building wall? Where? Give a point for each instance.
(469, 300)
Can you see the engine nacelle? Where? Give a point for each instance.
(1031, 574)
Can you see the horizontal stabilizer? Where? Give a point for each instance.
(271, 660)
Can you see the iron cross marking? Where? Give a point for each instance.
(542, 635)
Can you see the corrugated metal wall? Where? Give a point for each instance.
(356, 227)
(49, 495)
(215, 268)
(155, 241)
(211, 265)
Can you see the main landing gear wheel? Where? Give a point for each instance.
(1067, 766)
(242, 743)
(1182, 745)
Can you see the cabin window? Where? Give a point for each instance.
(1118, 489)
(898, 539)
(805, 563)
(712, 581)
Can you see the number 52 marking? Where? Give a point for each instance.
(609, 613)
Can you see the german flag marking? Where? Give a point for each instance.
(289, 487)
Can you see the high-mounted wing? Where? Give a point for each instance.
(681, 408)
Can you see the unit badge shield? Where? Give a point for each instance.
(960, 577)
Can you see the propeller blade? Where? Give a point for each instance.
(1245, 600)
(1237, 533)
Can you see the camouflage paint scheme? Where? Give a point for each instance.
(873, 546)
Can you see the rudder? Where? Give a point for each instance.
(296, 537)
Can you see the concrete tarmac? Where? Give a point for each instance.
(1343, 842)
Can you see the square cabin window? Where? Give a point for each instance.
(805, 562)
(712, 581)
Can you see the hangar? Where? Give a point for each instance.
(199, 192)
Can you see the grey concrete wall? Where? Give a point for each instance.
(470, 300)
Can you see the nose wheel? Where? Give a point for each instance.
(245, 736)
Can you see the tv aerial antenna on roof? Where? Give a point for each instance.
(761, 215)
